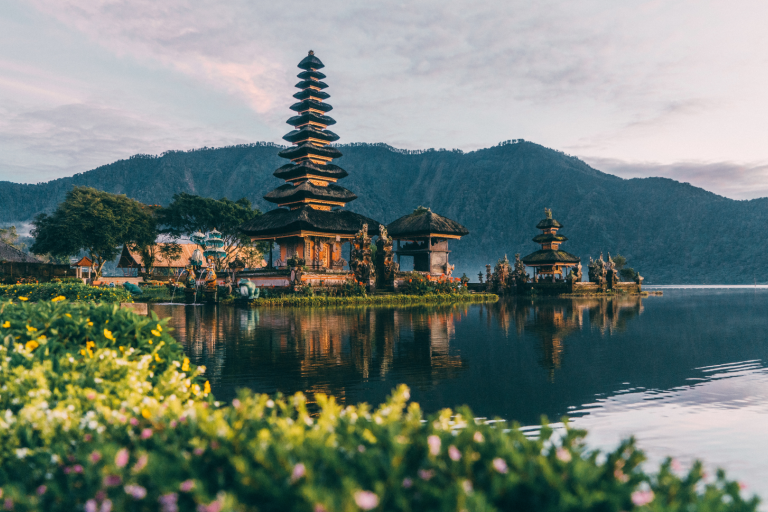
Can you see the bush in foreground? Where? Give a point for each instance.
(70, 291)
(103, 412)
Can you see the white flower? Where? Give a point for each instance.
(366, 500)
(500, 465)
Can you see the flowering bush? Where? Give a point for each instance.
(418, 284)
(69, 290)
(329, 300)
(90, 426)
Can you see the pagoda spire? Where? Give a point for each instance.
(311, 177)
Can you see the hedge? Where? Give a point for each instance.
(69, 291)
(103, 412)
(395, 298)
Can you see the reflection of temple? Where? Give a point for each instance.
(553, 320)
(320, 350)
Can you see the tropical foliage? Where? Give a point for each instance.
(103, 412)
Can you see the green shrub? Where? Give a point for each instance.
(69, 290)
(418, 284)
(118, 430)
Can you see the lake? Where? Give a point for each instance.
(684, 372)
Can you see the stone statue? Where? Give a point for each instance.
(501, 276)
(519, 275)
(480, 277)
(575, 274)
(449, 269)
(548, 212)
(386, 266)
(248, 290)
(361, 263)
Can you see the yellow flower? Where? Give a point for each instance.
(23, 298)
(185, 365)
(90, 344)
(157, 358)
(108, 335)
(32, 345)
(59, 298)
(121, 349)
(88, 321)
(67, 315)
(7, 324)
(31, 329)
(207, 387)
(82, 351)
(159, 328)
(156, 333)
(150, 342)
(146, 413)
(195, 389)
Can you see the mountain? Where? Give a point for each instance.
(671, 232)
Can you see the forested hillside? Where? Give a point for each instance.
(671, 232)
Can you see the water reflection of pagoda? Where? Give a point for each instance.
(309, 222)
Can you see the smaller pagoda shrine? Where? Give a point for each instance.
(550, 262)
(424, 235)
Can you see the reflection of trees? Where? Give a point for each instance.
(319, 349)
(551, 320)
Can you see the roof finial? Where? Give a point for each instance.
(311, 52)
(548, 212)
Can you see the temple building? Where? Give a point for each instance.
(310, 223)
(550, 261)
(424, 235)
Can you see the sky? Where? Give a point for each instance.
(673, 88)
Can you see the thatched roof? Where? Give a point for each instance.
(310, 116)
(308, 132)
(311, 62)
(307, 149)
(289, 194)
(311, 83)
(549, 257)
(293, 171)
(422, 222)
(306, 75)
(548, 237)
(308, 104)
(311, 93)
(548, 223)
(282, 221)
(10, 253)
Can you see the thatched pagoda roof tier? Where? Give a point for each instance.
(306, 75)
(311, 94)
(549, 257)
(548, 223)
(307, 170)
(308, 149)
(308, 117)
(310, 62)
(305, 105)
(283, 223)
(422, 223)
(310, 132)
(547, 238)
(311, 83)
(289, 193)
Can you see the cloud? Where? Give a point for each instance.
(729, 179)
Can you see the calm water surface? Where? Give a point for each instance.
(685, 373)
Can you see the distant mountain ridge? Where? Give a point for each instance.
(671, 232)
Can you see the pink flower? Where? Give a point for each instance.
(137, 492)
(454, 453)
(41, 490)
(95, 457)
(199, 451)
(236, 405)
(112, 480)
(173, 423)
(91, 396)
(134, 421)
(169, 502)
(366, 500)
(478, 437)
(298, 471)
(407, 483)
(563, 455)
(106, 506)
(434, 444)
(141, 463)
(187, 485)
(426, 474)
(146, 433)
(675, 465)
(742, 486)
(318, 506)
(90, 506)
(640, 498)
(8, 504)
(87, 437)
(77, 468)
(121, 459)
(500, 465)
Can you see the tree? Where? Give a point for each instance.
(626, 273)
(146, 232)
(11, 237)
(90, 220)
(188, 213)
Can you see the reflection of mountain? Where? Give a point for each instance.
(319, 350)
(553, 319)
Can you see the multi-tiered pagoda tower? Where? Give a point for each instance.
(550, 260)
(309, 223)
